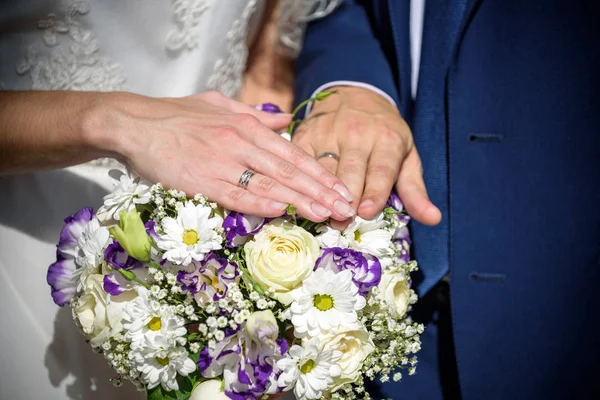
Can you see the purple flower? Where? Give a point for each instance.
(239, 226)
(150, 229)
(60, 275)
(248, 367)
(402, 239)
(402, 234)
(61, 280)
(116, 256)
(209, 281)
(74, 226)
(395, 202)
(112, 286)
(269, 107)
(366, 268)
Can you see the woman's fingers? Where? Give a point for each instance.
(304, 162)
(291, 176)
(266, 187)
(241, 200)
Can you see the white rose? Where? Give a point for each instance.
(394, 290)
(209, 390)
(355, 345)
(98, 313)
(280, 257)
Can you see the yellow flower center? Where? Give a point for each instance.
(215, 283)
(307, 367)
(163, 361)
(357, 236)
(323, 302)
(155, 324)
(190, 237)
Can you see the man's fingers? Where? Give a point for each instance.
(412, 191)
(351, 170)
(382, 173)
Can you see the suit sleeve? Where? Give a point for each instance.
(343, 47)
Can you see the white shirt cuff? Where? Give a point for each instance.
(349, 83)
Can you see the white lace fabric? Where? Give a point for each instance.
(151, 47)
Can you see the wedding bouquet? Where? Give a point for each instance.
(188, 300)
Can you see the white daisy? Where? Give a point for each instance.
(91, 245)
(129, 191)
(369, 236)
(161, 362)
(146, 320)
(325, 301)
(309, 370)
(191, 236)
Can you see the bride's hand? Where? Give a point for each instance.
(376, 151)
(204, 143)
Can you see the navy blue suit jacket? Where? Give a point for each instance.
(522, 134)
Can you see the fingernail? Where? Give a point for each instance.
(341, 189)
(343, 208)
(366, 203)
(278, 205)
(320, 211)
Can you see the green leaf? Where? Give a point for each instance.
(158, 393)
(186, 385)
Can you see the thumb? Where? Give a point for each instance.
(273, 121)
(412, 191)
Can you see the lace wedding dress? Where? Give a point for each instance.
(151, 47)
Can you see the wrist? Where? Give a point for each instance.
(102, 124)
(356, 97)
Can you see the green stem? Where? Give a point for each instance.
(318, 97)
(130, 276)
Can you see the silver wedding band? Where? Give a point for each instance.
(245, 178)
(329, 154)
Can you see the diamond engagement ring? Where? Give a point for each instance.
(245, 178)
(329, 154)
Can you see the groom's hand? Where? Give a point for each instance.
(376, 151)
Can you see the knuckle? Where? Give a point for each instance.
(265, 184)
(236, 195)
(356, 126)
(392, 135)
(248, 121)
(287, 170)
(227, 132)
(349, 168)
(297, 155)
(322, 197)
(383, 171)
